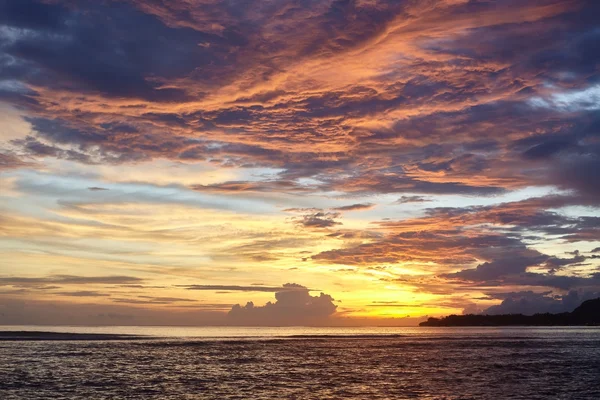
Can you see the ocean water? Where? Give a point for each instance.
(306, 363)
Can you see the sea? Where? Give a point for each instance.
(303, 363)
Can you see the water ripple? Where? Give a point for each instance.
(367, 367)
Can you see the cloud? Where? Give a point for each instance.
(168, 299)
(252, 288)
(303, 210)
(292, 307)
(529, 303)
(483, 246)
(9, 161)
(581, 174)
(68, 279)
(149, 301)
(83, 293)
(43, 312)
(242, 88)
(67, 45)
(586, 99)
(396, 181)
(516, 261)
(277, 101)
(555, 264)
(412, 199)
(285, 186)
(355, 207)
(319, 220)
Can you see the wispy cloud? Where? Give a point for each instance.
(251, 288)
(412, 199)
(68, 279)
(355, 207)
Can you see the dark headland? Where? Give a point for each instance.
(587, 314)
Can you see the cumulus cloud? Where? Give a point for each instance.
(292, 307)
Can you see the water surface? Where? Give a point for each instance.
(306, 363)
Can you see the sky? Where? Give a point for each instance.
(297, 162)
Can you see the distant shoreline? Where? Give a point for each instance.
(62, 336)
(485, 323)
(587, 314)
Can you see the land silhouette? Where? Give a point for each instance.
(588, 313)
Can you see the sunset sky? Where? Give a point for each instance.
(363, 162)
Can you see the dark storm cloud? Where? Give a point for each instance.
(32, 14)
(514, 263)
(103, 48)
(549, 52)
(292, 307)
(501, 274)
(529, 302)
(561, 282)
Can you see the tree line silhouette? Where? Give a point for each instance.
(588, 313)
